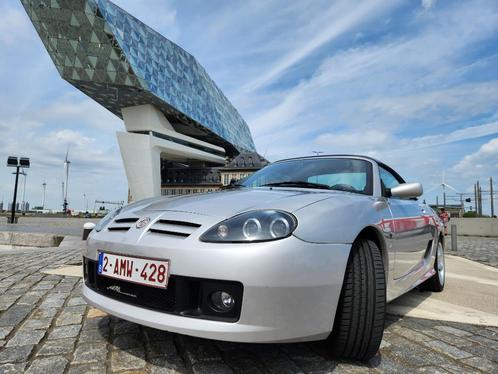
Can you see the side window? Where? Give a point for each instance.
(388, 180)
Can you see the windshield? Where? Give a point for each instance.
(342, 174)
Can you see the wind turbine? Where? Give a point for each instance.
(444, 185)
(66, 180)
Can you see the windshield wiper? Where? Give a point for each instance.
(301, 184)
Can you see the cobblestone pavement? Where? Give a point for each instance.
(481, 249)
(46, 327)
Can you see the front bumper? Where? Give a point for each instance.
(290, 287)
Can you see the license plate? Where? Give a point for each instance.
(139, 270)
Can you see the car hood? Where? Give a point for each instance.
(225, 204)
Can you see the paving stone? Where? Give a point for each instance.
(44, 313)
(161, 348)
(15, 354)
(167, 365)
(12, 368)
(484, 352)
(242, 361)
(125, 327)
(36, 324)
(211, 368)
(95, 335)
(94, 312)
(6, 304)
(56, 347)
(412, 354)
(127, 341)
(65, 332)
(447, 338)
(90, 352)
(196, 350)
(43, 286)
(481, 364)
(156, 335)
(94, 368)
(14, 315)
(76, 309)
(52, 303)
(448, 350)
(31, 298)
(68, 319)
(94, 323)
(24, 337)
(4, 331)
(47, 365)
(128, 360)
(456, 368)
(76, 301)
(453, 331)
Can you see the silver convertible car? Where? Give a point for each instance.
(305, 249)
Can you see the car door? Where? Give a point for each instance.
(412, 232)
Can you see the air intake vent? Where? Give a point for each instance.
(122, 224)
(178, 229)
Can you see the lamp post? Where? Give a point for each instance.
(18, 163)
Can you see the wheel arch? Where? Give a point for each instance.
(374, 234)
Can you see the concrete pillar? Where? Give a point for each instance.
(149, 137)
(142, 163)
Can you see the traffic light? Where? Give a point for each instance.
(468, 200)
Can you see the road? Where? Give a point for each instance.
(46, 326)
(50, 225)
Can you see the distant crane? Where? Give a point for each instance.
(66, 181)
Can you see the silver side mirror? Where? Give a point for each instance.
(407, 190)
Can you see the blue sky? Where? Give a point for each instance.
(413, 83)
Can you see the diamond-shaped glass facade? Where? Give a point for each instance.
(119, 62)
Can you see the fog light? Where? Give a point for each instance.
(222, 301)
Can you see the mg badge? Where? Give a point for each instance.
(142, 222)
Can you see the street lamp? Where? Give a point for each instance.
(18, 163)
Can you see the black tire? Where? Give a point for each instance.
(360, 316)
(436, 282)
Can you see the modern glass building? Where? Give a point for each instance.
(120, 62)
(174, 114)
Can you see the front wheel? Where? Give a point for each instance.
(360, 316)
(436, 282)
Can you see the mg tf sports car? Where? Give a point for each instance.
(305, 249)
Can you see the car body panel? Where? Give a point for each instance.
(300, 304)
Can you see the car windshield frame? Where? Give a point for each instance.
(300, 183)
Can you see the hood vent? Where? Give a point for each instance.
(178, 229)
(122, 224)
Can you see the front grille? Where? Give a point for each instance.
(186, 296)
(122, 224)
(172, 228)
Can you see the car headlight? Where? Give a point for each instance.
(107, 219)
(254, 226)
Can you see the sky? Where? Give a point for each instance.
(412, 83)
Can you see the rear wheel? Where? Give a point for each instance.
(436, 282)
(360, 316)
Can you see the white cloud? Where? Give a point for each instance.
(428, 4)
(484, 160)
(14, 26)
(332, 23)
